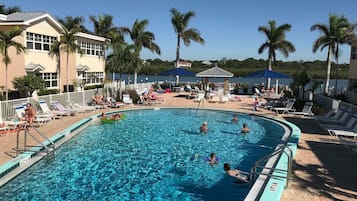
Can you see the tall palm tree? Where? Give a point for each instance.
(275, 40)
(68, 44)
(9, 10)
(104, 26)
(142, 39)
(180, 22)
(336, 32)
(74, 23)
(123, 57)
(343, 36)
(7, 41)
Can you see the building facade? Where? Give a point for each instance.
(352, 73)
(40, 31)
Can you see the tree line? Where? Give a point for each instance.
(125, 55)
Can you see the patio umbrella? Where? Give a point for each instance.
(178, 72)
(268, 74)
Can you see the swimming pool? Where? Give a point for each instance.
(150, 155)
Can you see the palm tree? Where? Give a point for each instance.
(123, 56)
(343, 36)
(7, 41)
(103, 26)
(180, 22)
(74, 23)
(275, 41)
(142, 39)
(68, 44)
(9, 10)
(338, 31)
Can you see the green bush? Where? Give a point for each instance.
(43, 92)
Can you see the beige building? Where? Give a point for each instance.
(352, 73)
(40, 30)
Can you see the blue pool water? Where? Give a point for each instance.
(150, 155)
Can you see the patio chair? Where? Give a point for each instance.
(345, 127)
(127, 100)
(51, 113)
(288, 107)
(85, 108)
(306, 110)
(59, 107)
(200, 96)
(345, 116)
(332, 115)
(40, 120)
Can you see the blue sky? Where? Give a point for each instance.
(229, 27)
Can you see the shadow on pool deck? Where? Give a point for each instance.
(331, 176)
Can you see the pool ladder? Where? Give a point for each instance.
(268, 171)
(47, 147)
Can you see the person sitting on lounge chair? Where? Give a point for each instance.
(30, 114)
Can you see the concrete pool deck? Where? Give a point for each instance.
(322, 169)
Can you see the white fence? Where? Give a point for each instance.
(7, 110)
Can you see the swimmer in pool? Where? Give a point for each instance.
(235, 173)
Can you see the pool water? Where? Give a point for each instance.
(150, 155)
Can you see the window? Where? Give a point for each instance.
(92, 48)
(51, 79)
(354, 53)
(39, 42)
(93, 77)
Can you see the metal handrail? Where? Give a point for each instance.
(280, 150)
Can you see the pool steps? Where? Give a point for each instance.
(25, 158)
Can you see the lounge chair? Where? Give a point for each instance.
(127, 100)
(288, 107)
(214, 99)
(113, 103)
(59, 107)
(306, 110)
(85, 108)
(200, 96)
(51, 113)
(332, 115)
(20, 112)
(345, 127)
(344, 117)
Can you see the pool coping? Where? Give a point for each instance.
(273, 187)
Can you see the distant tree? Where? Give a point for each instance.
(332, 34)
(142, 39)
(275, 40)
(180, 22)
(27, 84)
(68, 44)
(74, 23)
(7, 41)
(9, 10)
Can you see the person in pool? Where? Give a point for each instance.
(235, 173)
(213, 160)
(235, 118)
(204, 127)
(245, 129)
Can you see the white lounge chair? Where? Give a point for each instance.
(52, 113)
(200, 96)
(288, 107)
(306, 110)
(20, 112)
(59, 107)
(84, 108)
(127, 100)
(344, 117)
(346, 127)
